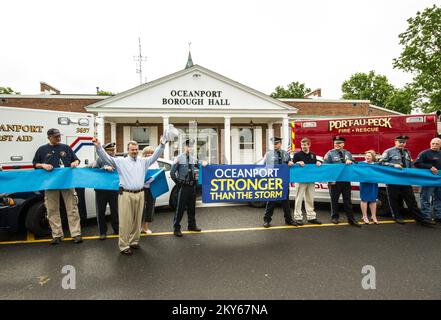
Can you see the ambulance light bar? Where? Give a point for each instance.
(84, 122)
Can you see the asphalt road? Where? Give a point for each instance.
(233, 258)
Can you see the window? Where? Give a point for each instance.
(246, 139)
(142, 136)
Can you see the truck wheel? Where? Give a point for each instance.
(383, 208)
(36, 220)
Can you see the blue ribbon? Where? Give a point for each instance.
(65, 178)
(361, 172)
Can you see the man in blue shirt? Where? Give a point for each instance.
(430, 159)
(340, 155)
(399, 157)
(55, 155)
(131, 171)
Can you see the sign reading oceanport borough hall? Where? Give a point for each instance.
(196, 98)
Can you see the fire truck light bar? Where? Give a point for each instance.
(415, 119)
(309, 124)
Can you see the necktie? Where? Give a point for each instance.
(403, 158)
(342, 157)
(279, 154)
(190, 168)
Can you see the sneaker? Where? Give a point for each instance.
(428, 222)
(56, 240)
(127, 252)
(77, 239)
(314, 221)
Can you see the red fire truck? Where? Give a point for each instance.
(362, 134)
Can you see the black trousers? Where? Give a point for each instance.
(269, 210)
(394, 195)
(149, 206)
(104, 197)
(186, 200)
(344, 189)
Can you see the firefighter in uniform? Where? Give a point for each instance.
(334, 156)
(184, 173)
(273, 157)
(104, 197)
(399, 157)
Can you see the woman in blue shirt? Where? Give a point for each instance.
(369, 192)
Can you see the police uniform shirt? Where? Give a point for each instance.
(307, 158)
(338, 156)
(274, 157)
(183, 168)
(393, 156)
(54, 154)
(428, 159)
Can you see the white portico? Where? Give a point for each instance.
(230, 122)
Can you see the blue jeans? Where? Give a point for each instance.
(426, 208)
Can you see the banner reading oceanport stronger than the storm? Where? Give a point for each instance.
(244, 183)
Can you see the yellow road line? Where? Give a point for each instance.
(30, 236)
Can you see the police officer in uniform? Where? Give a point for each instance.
(104, 197)
(184, 173)
(334, 156)
(399, 157)
(273, 157)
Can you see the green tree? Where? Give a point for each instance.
(294, 90)
(368, 86)
(401, 100)
(105, 93)
(421, 56)
(7, 90)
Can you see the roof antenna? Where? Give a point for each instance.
(139, 60)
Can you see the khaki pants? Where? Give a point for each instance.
(52, 203)
(304, 191)
(130, 209)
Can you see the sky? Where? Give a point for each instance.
(79, 45)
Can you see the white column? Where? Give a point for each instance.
(113, 132)
(285, 133)
(167, 147)
(270, 136)
(227, 140)
(100, 128)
